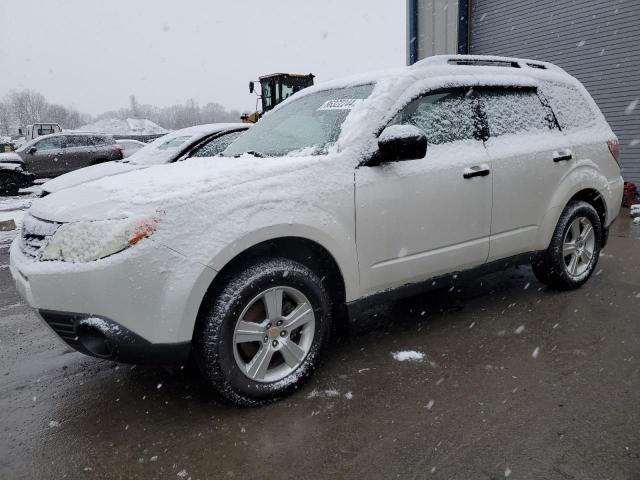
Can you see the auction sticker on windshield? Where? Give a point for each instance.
(340, 104)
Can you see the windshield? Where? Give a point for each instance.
(164, 149)
(307, 126)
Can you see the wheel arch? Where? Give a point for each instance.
(300, 249)
(591, 195)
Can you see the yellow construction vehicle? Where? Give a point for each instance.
(274, 89)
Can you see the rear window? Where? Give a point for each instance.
(571, 108)
(511, 111)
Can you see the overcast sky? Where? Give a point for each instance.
(93, 54)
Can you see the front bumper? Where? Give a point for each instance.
(148, 294)
(104, 338)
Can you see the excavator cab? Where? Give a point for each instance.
(275, 89)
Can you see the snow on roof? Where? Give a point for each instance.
(128, 126)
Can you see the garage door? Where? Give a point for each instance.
(597, 41)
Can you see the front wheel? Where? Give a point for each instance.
(574, 249)
(261, 336)
(8, 184)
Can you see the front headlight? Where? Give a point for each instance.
(88, 241)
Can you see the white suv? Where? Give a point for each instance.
(348, 193)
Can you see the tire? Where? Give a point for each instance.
(232, 367)
(9, 184)
(557, 267)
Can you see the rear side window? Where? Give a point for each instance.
(215, 146)
(569, 105)
(444, 117)
(510, 111)
(77, 141)
(101, 141)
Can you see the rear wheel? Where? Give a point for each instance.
(8, 184)
(574, 249)
(261, 336)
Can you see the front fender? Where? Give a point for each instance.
(339, 242)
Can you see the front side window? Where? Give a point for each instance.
(444, 117)
(214, 146)
(306, 126)
(51, 143)
(511, 111)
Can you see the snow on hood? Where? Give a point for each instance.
(10, 157)
(217, 182)
(87, 174)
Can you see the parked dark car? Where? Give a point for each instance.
(53, 155)
(13, 175)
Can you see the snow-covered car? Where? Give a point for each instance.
(347, 194)
(13, 175)
(199, 141)
(130, 146)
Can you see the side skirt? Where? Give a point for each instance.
(357, 307)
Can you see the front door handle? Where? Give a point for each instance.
(476, 171)
(562, 156)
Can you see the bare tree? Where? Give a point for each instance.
(28, 106)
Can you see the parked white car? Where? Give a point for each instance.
(347, 194)
(198, 141)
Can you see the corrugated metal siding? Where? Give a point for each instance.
(437, 27)
(597, 41)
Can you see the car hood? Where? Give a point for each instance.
(212, 184)
(87, 174)
(10, 157)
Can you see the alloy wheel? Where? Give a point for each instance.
(578, 247)
(274, 334)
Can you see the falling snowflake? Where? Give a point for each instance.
(536, 352)
(631, 107)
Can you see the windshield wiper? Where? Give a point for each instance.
(253, 153)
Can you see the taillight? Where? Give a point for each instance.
(614, 148)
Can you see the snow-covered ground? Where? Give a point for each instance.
(129, 126)
(13, 208)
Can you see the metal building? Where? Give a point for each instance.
(597, 41)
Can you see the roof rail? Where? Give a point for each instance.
(485, 61)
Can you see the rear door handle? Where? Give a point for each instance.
(476, 171)
(562, 156)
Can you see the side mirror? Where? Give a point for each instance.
(33, 150)
(400, 142)
(251, 87)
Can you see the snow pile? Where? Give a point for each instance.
(129, 126)
(408, 356)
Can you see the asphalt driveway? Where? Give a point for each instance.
(504, 379)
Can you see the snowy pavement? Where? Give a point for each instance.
(499, 378)
(13, 208)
